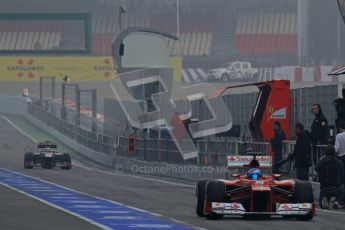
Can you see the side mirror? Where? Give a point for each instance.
(235, 175)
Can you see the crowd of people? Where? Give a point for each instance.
(306, 154)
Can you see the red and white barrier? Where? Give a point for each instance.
(306, 74)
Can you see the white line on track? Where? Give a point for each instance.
(330, 211)
(80, 165)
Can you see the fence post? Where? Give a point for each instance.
(77, 104)
(94, 110)
(144, 149)
(167, 149)
(115, 147)
(198, 148)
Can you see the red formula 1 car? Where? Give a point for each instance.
(254, 194)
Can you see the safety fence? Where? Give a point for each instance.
(316, 153)
(211, 152)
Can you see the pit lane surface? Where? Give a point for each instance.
(15, 209)
(172, 200)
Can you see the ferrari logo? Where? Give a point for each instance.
(271, 109)
(232, 158)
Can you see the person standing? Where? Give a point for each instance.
(340, 143)
(319, 131)
(339, 105)
(277, 145)
(302, 152)
(330, 172)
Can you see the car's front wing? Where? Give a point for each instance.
(285, 209)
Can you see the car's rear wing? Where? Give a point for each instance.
(242, 163)
(43, 145)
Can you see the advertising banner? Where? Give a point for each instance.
(78, 68)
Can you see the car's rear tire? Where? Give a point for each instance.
(304, 194)
(215, 192)
(66, 158)
(200, 198)
(28, 158)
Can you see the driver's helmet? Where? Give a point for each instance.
(254, 174)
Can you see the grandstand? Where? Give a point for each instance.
(30, 35)
(265, 32)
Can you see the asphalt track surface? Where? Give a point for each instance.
(173, 200)
(15, 209)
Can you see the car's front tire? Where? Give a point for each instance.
(66, 158)
(28, 158)
(215, 192)
(303, 193)
(200, 198)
